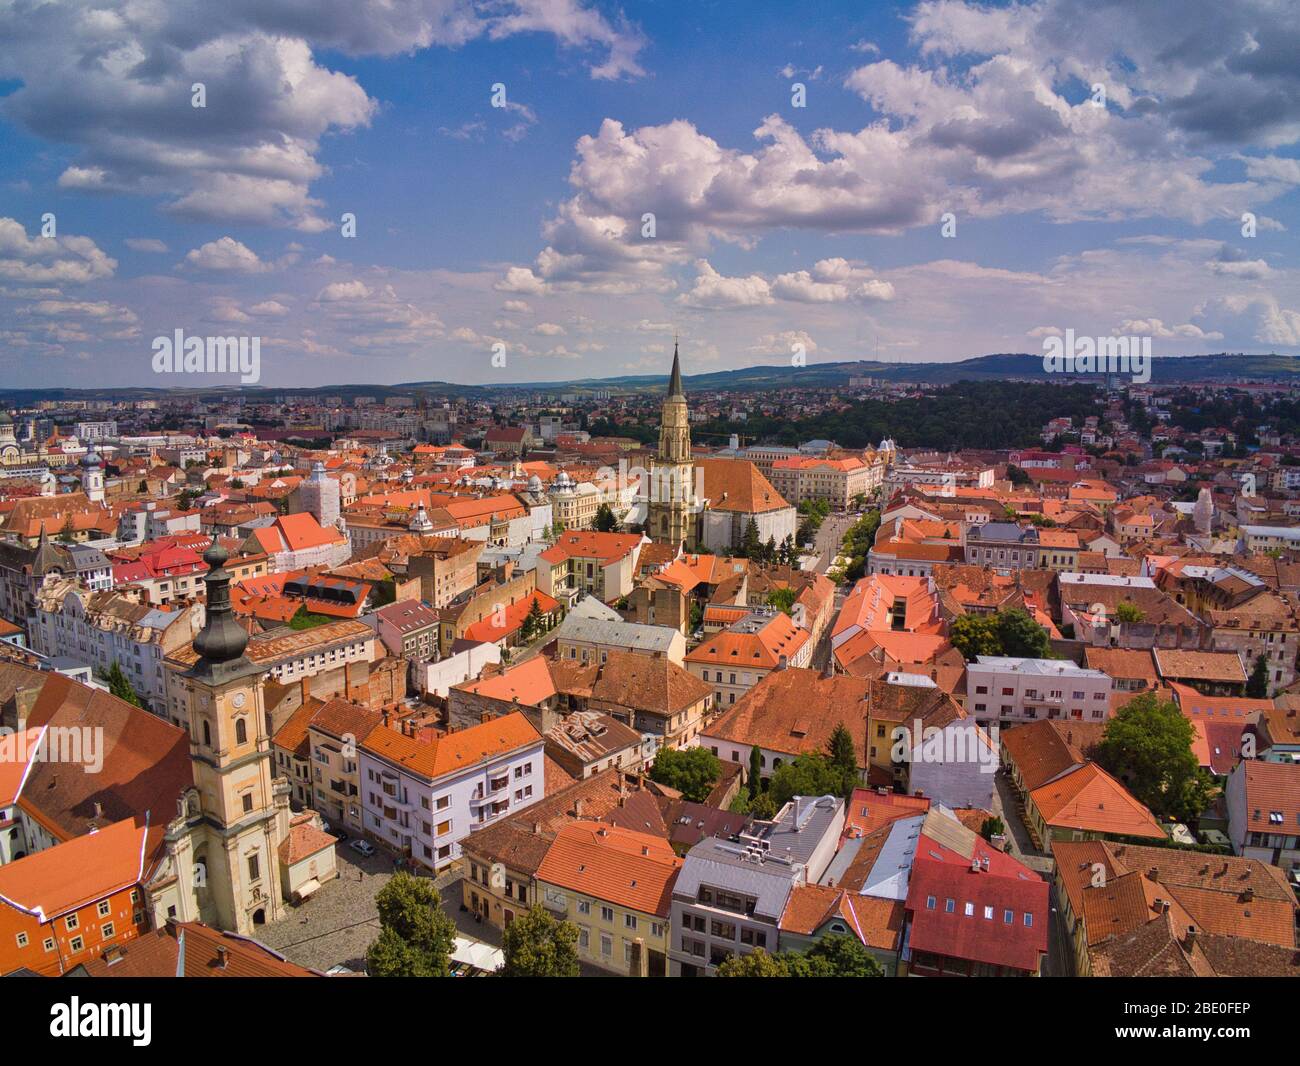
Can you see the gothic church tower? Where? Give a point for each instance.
(672, 511)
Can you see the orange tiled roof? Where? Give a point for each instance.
(1091, 800)
(454, 751)
(621, 866)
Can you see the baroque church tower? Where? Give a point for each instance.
(225, 844)
(672, 514)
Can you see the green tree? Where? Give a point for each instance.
(1017, 476)
(120, 685)
(605, 522)
(755, 771)
(810, 774)
(1257, 683)
(783, 599)
(1021, 636)
(534, 622)
(692, 771)
(758, 963)
(992, 827)
(539, 945)
(835, 955)
(1128, 613)
(751, 546)
(974, 635)
(415, 936)
(305, 619)
(1148, 746)
(842, 752)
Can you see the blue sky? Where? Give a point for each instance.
(778, 228)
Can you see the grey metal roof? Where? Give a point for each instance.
(631, 635)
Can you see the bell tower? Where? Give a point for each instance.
(671, 514)
(242, 811)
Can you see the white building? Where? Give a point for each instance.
(1006, 690)
(422, 797)
(103, 628)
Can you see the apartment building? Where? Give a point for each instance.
(837, 481)
(408, 629)
(421, 797)
(1006, 690)
(735, 660)
(615, 885)
(730, 894)
(103, 628)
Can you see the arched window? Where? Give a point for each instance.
(241, 730)
(207, 734)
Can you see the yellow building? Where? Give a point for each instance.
(615, 885)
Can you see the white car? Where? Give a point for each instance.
(362, 847)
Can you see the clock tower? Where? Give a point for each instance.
(238, 813)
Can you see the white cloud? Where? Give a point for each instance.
(50, 259)
(713, 291)
(225, 255)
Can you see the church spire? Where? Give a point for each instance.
(675, 380)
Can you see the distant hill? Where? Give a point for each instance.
(1024, 367)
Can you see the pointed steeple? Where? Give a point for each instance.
(675, 379)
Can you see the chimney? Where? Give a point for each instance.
(577, 808)
(537, 829)
(223, 957)
(99, 809)
(1189, 941)
(1248, 896)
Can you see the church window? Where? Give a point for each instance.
(241, 730)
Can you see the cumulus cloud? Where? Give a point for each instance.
(715, 292)
(54, 260)
(225, 255)
(115, 80)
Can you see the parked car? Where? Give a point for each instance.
(362, 847)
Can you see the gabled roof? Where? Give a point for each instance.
(1089, 799)
(621, 866)
(60, 879)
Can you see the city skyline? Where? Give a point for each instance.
(779, 232)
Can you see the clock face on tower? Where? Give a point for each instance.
(237, 700)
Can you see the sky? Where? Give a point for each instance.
(547, 190)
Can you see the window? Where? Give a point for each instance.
(930, 902)
(629, 920)
(1029, 920)
(988, 913)
(248, 801)
(241, 731)
(606, 945)
(22, 940)
(106, 930)
(76, 943)
(584, 906)
(606, 914)
(71, 922)
(254, 867)
(444, 827)
(49, 943)
(103, 908)
(1009, 917)
(949, 905)
(970, 909)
